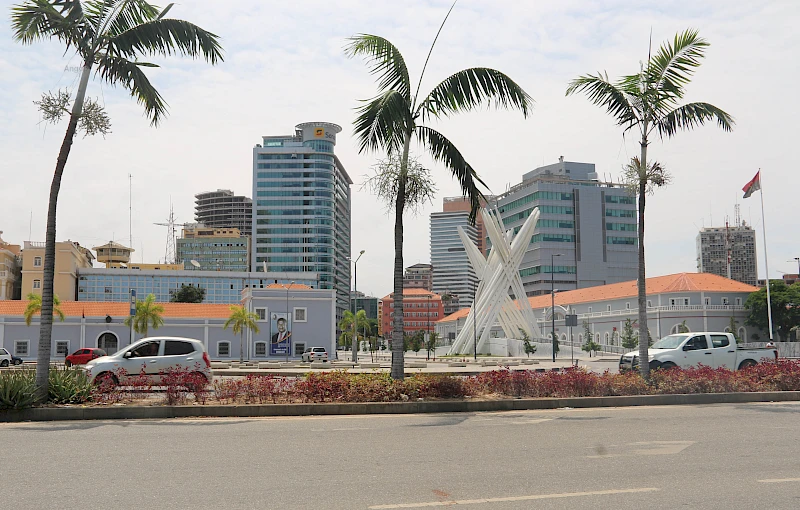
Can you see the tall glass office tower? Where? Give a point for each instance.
(301, 208)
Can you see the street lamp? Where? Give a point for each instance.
(474, 331)
(553, 298)
(429, 327)
(355, 289)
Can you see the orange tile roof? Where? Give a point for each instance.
(416, 292)
(455, 316)
(293, 286)
(101, 309)
(673, 283)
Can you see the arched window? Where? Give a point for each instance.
(605, 338)
(580, 338)
(742, 334)
(597, 337)
(108, 341)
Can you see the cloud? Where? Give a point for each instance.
(284, 65)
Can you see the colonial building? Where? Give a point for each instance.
(698, 301)
(71, 257)
(421, 310)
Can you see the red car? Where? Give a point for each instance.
(83, 356)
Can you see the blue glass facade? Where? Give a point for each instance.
(223, 287)
(301, 211)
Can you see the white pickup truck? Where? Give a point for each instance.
(711, 349)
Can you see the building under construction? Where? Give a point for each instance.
(728, 251)
(223, 209)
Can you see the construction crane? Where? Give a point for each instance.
(170, 256)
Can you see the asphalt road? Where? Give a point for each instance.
(720, 456)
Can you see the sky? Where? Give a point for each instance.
(284, 64)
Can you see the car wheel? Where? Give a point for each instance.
(67, 363)
(747, 364)
(655, 364)
(668, 365)
(4, 363)
(105, 377)
(18, 362)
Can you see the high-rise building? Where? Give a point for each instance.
(728, 251)
(213, 249)
(462, 204)
(452, 272)
(587, 229)
(418, 276)
(361, 301)
(301, 217)
(223, 209)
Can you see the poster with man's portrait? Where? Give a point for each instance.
(281, 340)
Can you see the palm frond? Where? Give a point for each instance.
(617, 99)
(469, 88)
(42, 19)
(673, 65)
(382, 122)
(385, 61)
(166, 37)
(123, 15)
(444, 151)
(690, 115)
(118, 70)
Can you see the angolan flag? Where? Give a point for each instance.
(753, 185)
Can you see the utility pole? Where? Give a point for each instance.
(553, 298)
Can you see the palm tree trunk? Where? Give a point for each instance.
(398, 370)
(644, 362)
(241, 347)
(46, 321)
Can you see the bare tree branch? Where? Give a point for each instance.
(655, 176)
(385, 181)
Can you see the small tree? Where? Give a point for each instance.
(682, 327)
(187, 294)
(416, 342)
(148, 314)
(555, 343)
(432, 337)
(35, 306)
(526, 343)
(590, 346)
(629, 339)
(239, 321)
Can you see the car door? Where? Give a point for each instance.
(82, 357)
(696, 351)
(143, 358)
(724, 352)
(181, 354)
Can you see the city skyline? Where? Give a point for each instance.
(216, 113)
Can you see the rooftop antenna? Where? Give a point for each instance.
(30, 226)
(130, 211)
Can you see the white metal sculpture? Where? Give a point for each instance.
(498, 274)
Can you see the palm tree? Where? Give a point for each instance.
(109, 36)
(239, 321)
(148, 313)
(346, 323)
(35, 306)
(649, 101)
(390, 120)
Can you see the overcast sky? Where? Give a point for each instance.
(284, 65)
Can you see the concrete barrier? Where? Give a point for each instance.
(416, 365)
(216, 365)
(431, 406)
(268, 364)
(488, 363)
(319, 364)
(456, 364)
(368, 365)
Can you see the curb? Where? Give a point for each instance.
(355, 408)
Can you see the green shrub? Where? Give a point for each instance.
(17, 389)
(69, 386)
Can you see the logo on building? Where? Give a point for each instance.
(319, 132)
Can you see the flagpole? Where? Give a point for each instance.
(766, 257)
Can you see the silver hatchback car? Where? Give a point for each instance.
(151, 356)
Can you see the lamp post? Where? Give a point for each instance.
(355, 289)
(474, 331)
(553, 298)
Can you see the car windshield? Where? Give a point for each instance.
(669, 342)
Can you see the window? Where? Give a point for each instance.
(589, 310)
(37, 261)
(176, 348)
(649, 304)
(62, 348)
(707, 301)
(21, 348)
(261, 312)
(605, 339)
(720, 341)
(299, 348)
(37, 284)
(146, 349)
(678, 301)
(738, 301)
(261, 349)
(223, 349)
(608, 308)
(725, 301)
(697, 343)
(627, 306)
